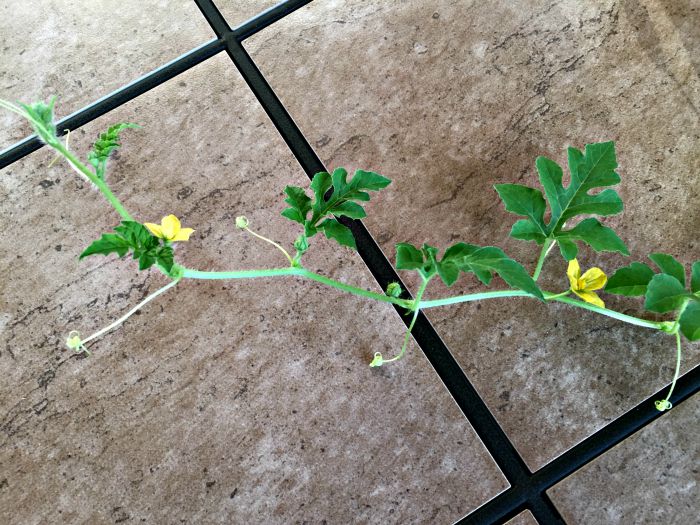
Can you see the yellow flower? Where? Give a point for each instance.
(584, 285)
(169, 229)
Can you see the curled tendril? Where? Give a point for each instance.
(75, 343)
(377, 361)
(663, 405)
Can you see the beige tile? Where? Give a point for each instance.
(81, 51)
(249, 402)
(650, 478)
(449, 99)
(524, 518)
(238, 11)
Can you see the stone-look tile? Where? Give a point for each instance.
(220, 401)
(449, 99)
(81, 51)
(238, 11)
(662, 461)
(524, 518)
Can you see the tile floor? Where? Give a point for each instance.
(259, 408)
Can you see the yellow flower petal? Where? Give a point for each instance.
(170, 226)
(593, 279)
(573, 272)
(154, 229)
(590, 297)
(183, 234)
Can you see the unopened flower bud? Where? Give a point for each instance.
(242, 222)
(393, 290)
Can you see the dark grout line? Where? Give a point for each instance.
(117, 98)
(266, 18)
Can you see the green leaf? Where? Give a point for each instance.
(631, 280)
(343, 200)
(522, 200)
(599, 237)
(108, 243)
(592, 170)
(695, 277)
(669, 265)
(334, 230)
(690, 321)
(664, 294)
(568, 249)
(408, 257)
(135, 237)
(483, 261)
(40, 116)
(105, 145)
(526, 230)
(299, 202)
(165, 258)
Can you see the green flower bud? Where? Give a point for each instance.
(301, 244)
(242, 222)
(393, 290)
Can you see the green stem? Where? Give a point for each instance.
(300, 272)
(101, 185)
(546, 247)
(549, 297)
(407, 337)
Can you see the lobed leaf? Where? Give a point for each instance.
(408, 257)
(108, 243)
(591, 170)
(342, 200)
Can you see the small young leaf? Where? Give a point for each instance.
(690, 321)
(105, 145)
(664, 294)
(669, 265)
(599, 237)
(408, 257)
(40, 116)
(631, 280)
(108, 243)
(334, 230)
(695, 277)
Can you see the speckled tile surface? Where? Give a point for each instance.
(238, 11)
(524, 518)
(662, 459)
(450, 98)
(221, 402)
(81, 51)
